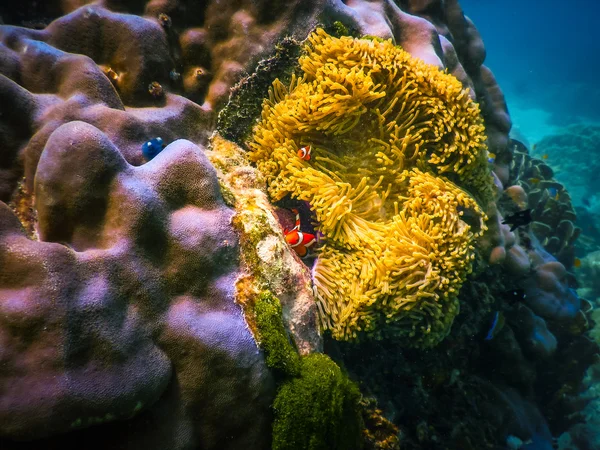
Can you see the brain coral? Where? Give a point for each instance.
(392, 137)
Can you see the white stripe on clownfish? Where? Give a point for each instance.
(297, 226)
(300, 235)
(305, 152)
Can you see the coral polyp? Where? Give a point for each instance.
(398, 156)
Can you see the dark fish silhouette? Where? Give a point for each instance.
(518, 219)
(514, 296)
(496, 325)
(586, 201)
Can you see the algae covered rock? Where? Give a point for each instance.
(318, 410)
(317, 406)
(280, 354)
(268, 261)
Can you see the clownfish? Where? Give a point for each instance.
(304, 152)
(298, 240)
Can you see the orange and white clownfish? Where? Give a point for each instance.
(298, 240)
(304, 152)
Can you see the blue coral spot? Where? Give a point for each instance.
(152, 148)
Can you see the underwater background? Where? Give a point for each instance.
(256, 224)
(547, 76)
(549, 81)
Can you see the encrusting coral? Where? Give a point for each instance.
(391, 137)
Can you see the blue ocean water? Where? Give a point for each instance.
(545, 57)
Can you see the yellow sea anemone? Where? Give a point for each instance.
(391, 138)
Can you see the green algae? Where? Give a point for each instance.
(227, 195)
(236, 119)
(318, 410)
(316, 406)
(281, 356)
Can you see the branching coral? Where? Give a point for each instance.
(388, 134)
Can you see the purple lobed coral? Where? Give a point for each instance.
(120, 308)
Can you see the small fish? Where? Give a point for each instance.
(491, 158)
(152, 148)
(586, 201)
(155, 89)
(164, 20)
(298, 240)
(533, 147)
(553, 193)
(514, 296)
(577, 263)
(534, 180)
(200, 72)
(305, 152)
(174, 75)
(518, 219)
(496, 325)
(545, 156)
(111, 75)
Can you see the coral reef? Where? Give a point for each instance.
(73, 86)
(552, 211)
(504, 379)
(123, 304)
(150, 301)
(386, 132)
(550, 323)
(211, 45)
(589, 276)
(119, 312)
(589, 238)
(569, 152)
